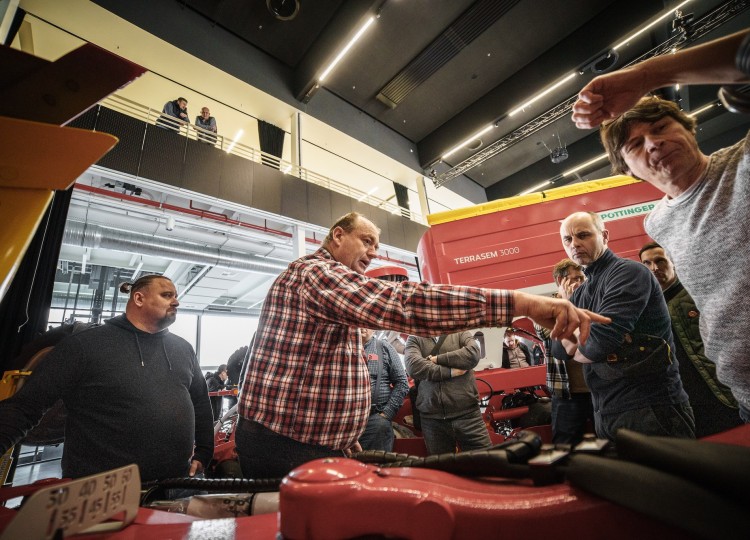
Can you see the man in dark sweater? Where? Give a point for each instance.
(134, 393)
(629, 365)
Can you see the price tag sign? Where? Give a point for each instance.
(78, 505)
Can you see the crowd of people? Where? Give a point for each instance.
(629, 344)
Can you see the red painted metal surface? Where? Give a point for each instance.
(426, 504)
(341, 498)
(517, 248)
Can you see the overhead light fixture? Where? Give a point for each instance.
(363, 197)
(649, 25)
(234, 141)
(137, 269)
(533, 189)
(467, 141)
(345, 50)
(541, 94)
(703, 109)
(284, 10)
(584, 165)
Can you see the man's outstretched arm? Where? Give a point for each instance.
(610, 95)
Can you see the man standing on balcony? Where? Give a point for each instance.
(207, 123)
(176, 109)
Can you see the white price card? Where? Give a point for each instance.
(78, 505)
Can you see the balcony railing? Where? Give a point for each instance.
(154, 117)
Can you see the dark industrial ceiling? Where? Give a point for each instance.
(437, 71)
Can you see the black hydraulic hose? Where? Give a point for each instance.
(379, 456)
(490, 462)
(507, 459)
(258, 485)
(154, 489)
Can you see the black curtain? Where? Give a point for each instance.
(271, 142)
(32, 284)
(15, 24)
(402, 197)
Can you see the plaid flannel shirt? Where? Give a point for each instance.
(307, 377)
(557, 373)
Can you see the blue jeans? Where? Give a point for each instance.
(378, 434)
(660, 420)
(570, 416)
(266, 454)
(468, 431)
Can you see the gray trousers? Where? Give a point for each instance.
(468, 431)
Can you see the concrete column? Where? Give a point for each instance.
(424, 207)
(296, 139)
(298, 241)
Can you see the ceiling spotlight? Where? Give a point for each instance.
(284, 10)
(557, 154)
(600, 63)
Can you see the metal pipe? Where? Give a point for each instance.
(97, 236)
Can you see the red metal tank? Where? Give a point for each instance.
(514, 243)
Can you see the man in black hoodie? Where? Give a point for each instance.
(134, 393)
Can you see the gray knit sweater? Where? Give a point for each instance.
(706, 231)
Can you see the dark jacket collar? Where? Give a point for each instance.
(673, 290)
(600, 263)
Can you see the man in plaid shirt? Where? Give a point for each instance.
(571, 400)
(306, 392)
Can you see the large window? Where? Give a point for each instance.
(186, 326)
(222, 335)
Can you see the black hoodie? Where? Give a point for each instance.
(131, 396)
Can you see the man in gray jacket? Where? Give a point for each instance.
(447, 400)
